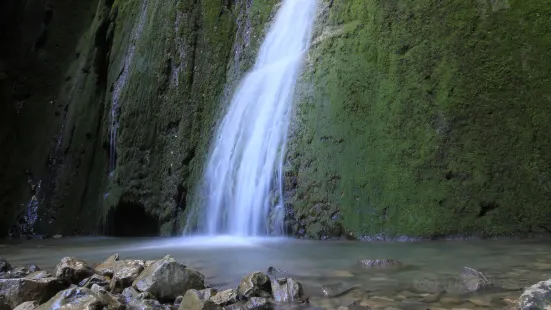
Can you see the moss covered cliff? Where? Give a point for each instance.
(424, 118)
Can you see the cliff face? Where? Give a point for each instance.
(420, 119)
(427, 118)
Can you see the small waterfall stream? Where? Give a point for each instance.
(244, 169)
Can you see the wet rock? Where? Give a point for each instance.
(125, 272)
(225, 298)
(18, 291)
(337, 289)
(130, 293)
(537, 296)
(380, 264)
(474, 280)
(4, 265)
(195, 300)
(286, 290)
(21, 272)
(107, 268)
(39, 275)
(146, 304)
(112, 301)
(80, 298)
(28, 305)
(94, 279)
(167, 279)
(254, 303)
(255, 284)
(72, 270)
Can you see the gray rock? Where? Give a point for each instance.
(112, 301)
(167, 279)
(380, 264)
(4, 265)
(94, 279)
(107, 267)
(474, 280)
(255, 284)
(287, 290)
(536, 297)
(225, 298)
(78, 298)
(254, 303)
(146, 304)
(72, 270)
(195, 300)
(28, 305)
(130, 293)
(39, 275)
(21, 272)
(336, 289)
(18, 291)
(124, 273)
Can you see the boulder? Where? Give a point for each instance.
(146, 304)
(255, 284)
(195, 300)
(21, 272)
(18, 291)
(254, 303)
(130, 293)
(72, 270)
(107, 267)
(287, 290)
(124, 273)
(94, 279)
(224, 298)
(113, 302)
(167, 279)
(537, 296)
(77, 298)
(474, 280)
(28, 305)
(39, 275)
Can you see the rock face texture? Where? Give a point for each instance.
(417, 119)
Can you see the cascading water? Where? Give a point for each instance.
(247, 155)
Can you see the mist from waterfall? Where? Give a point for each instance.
(243, 175)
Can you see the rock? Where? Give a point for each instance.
(286, 290)
(130, 293)
(379, 264)
(18, 291)
(94, 279)
(168, 279)
(72, 270)
(39, 275)
(77, 298)
(148, 263)
(254, 303)
(537, 296)
(28, 305)
(3, 304)
(107, 268)
(21, 272)
(112, 301)
(125, 272)
(337, 289)
(255, 284)
(146, 304)
(4, 265)
(194, 300)
(178, 302)
(58, 236)
(474, 280)
(225, 298)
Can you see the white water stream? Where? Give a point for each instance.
(244, 171)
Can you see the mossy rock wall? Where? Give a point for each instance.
(424, 118)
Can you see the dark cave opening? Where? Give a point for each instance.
(130, 219)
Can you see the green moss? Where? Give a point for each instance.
(428, 118)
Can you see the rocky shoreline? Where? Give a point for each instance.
(166, 284)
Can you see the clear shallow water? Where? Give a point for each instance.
(432, 267)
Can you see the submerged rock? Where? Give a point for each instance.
(380, 264)
(474, 280)
(82, 298)
(287, 290)
(167, 279)
(18, 291)
(537, 296)
(337, 289)
(255, 284)
(72, 270)
(195, 300)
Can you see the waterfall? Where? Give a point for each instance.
(243, 174)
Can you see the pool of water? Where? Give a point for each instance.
(430, 278)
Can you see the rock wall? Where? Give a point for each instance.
(425, 118)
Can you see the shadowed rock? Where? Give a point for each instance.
(18, 291)
(81, 298)
(72, 270)
(255, 284)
